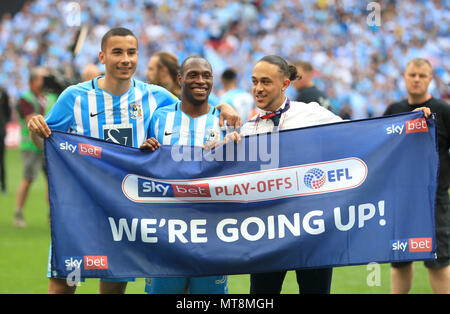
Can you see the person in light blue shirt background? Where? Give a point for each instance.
(238, 98)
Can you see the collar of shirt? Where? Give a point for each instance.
(263, 112)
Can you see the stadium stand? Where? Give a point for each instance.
(359, 63)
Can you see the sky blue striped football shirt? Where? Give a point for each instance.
(171, 126)
(86, 109)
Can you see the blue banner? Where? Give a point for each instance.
(339, 194)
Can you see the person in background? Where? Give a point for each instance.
(307, 91)
(238, 98)
(162, 70)
(90, 72)
(32, 102)
(417, 77)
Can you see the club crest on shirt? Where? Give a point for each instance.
(212, 135)
(135, 111)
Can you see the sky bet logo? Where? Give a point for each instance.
(83, 149)
(412, 245)
(88, 262)
(412, 126)
(153, 188)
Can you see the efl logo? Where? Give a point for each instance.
(315, 178)
(96, 262)
(417, 125)
(420, 244)
(90, 150)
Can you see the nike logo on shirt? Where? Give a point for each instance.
(95, 114)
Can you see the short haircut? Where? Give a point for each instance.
(305, 65)
(229, 75)
(419, 62)
(35, 73)
(117, 31)
(183, 65)
(170, 61)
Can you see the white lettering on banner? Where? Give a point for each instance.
(395, 129)
(117, 231)
(145, 230)
(67, 146)
(294, 181)
(250, 229)
(150, 186)
(362, 215)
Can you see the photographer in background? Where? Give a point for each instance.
(32, 102)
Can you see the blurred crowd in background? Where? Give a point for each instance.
(357, 63)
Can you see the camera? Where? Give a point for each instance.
(56, 82)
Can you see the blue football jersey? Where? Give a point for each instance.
(88, 110)
(171, 126)
(240, 100)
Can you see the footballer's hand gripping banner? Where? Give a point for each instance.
(339, 194)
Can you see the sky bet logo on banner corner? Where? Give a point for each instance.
(411, 126)
(68, 147)
(88, 262)
(83, 149)
(90, 150)
(413, 245)
(417, 125)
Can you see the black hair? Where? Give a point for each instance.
(193, 57)
(229, 75)
(117, 31)
(288, 70)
